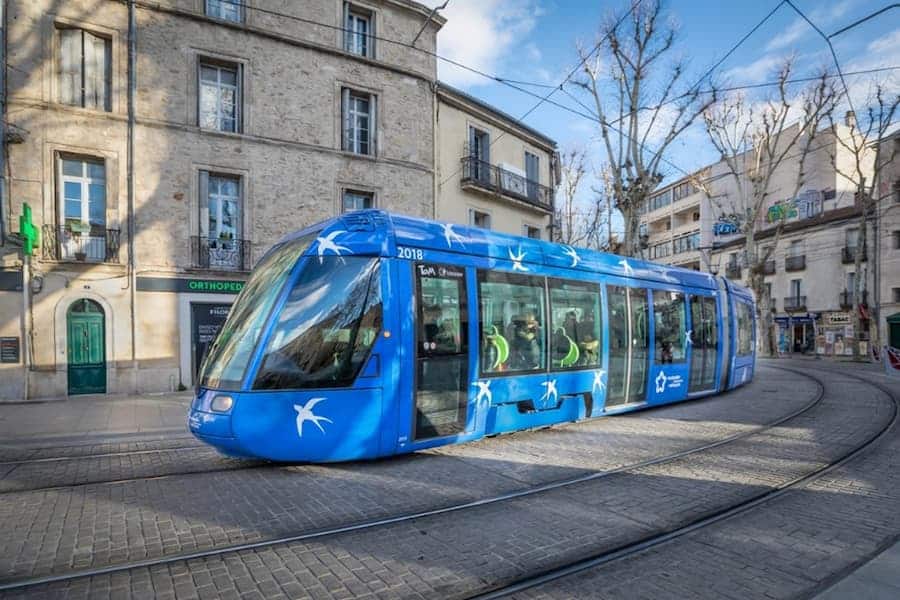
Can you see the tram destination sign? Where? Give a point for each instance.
(182, 285)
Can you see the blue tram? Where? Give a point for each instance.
(374, 334)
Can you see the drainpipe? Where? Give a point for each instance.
(2, 121)
(436, 153)
(132, 86)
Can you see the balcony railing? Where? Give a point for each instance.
(769, 267)
(500, 181)
(848, 254)
(733, 271)
(794, 303)
(846, 298)
(93, 244)
(795, 263)
(221, 254)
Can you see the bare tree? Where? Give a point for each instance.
(756, 140)
(644, 112)
(579, 222)
(867, 159)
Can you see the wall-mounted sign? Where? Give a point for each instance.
(727, 225)
(837, 318)
(179, 285)
(9, 350)
(805, 206)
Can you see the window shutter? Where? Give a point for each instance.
(472, 152)
(345, 31)
(373, 125)
(70, 66)
(204, 204)
(345, 120)
(96, 68)
(486, 150)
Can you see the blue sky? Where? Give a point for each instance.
(534, 40)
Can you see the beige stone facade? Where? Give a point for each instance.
(888, 219)
(492, 170)
(251, 122)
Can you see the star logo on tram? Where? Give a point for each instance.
(573, 254)
(327, 244)
(517, 259)
(305, 413)
(484, 392)
(661, 380)
(551, 390)
(629, 272)
(599, 385)
(451, 236)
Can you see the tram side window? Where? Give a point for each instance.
(669, 321)
(575, 333)
(745, 329)
(512, 322)
(327, 326)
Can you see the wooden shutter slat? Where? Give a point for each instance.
(70, 66)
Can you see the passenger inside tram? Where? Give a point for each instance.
(526, 342)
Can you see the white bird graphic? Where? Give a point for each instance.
(451, 236)
(327, 243)
(626, 267)
(711, 277)
(305, 413)
(599, 384)
(517, 259)
(688, 338)
(661, 382)
(484, 392)
(551, 390)
(571, 253)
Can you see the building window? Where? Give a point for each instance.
(532, 232)
(85, 69)
(852, 238)
(796, 249)
(220, 97)
(896, 235)
(359, 31)
(660, 250)
(221, 245)
(796, 287)
(686, 243)
(478, 218)
(227, 10)
(897, 191)
(682, 190)
(896, 294)
(358, 110)
(82, 201)
(660, 200)
(354, 200)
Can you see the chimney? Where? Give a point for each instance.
(850, 119)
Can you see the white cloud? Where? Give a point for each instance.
(481, 34)
(757, 71)
(794, 32)
(886, 44)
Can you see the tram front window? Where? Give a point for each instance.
(224, 366)
(327, 326)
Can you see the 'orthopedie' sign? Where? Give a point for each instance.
(180, 285)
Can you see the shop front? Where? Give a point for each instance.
(797, 333)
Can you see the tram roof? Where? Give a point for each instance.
(378, 232)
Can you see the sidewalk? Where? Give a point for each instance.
(92, 417)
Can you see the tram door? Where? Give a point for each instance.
(442, 351)
(705, 344)
(627, 314)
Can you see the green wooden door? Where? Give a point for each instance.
(86, 348)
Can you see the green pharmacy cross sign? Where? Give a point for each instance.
(29, 232)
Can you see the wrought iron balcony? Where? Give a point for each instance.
(794, 303)
(733, 271)
(80, 243)
(492, 178)
(848, 254)
(795, 263)
(846, 299)
(221, 254)
(769, 267)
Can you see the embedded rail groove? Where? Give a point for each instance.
(28, 582)
(48, 459)
(651, 541)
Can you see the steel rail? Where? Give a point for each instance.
(27, 582)
(634, 548)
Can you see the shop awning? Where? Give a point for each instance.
(894, 318)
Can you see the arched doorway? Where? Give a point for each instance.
(86, 328)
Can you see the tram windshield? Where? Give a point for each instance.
(327, 326)
(227, 359)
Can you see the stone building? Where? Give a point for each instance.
(493, 171)
(887, 244)
(250, 121)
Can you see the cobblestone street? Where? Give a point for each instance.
(164, 516)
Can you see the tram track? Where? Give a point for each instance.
(328, 532)
(637, 547)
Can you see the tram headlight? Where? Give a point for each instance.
(222, 404)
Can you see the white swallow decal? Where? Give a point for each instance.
(571, 253)
(599, 385)
(551, 390)
(327, 244)
(484, 392)
(626, 267)
(305, 413)
(688, 338)
(517, 259)
(451, 236)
